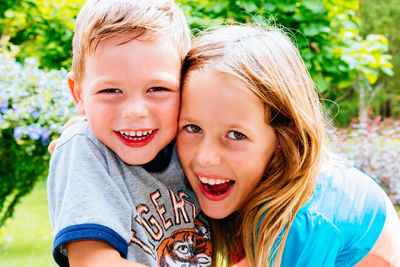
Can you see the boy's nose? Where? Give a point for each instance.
(207, 154)
(135, 109)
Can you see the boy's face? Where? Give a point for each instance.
(130, 95)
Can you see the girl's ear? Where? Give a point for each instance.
(76, 92)
(278, 148)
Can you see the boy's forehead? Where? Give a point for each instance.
(117, 39)
(156, 59)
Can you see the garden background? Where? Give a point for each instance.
(351, 48)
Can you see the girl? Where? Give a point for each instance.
(251, 142)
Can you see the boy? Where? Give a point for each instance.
(125, 78)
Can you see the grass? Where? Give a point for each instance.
(26, 239)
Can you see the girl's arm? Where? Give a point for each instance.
(386, 251)
(87, 253)
(242, 263)
(69, 123)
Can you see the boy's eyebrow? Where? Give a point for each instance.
(171, 80)
(175, 81)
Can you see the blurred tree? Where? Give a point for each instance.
(340, 61)
(40, 28)
(383, 17)
(34, 105)
(344, 63)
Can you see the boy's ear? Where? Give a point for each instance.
(76, 92)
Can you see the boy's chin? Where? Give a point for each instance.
(140, 161)
(137, 159)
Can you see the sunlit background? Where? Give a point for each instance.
(351, 48)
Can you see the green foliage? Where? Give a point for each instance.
(326, 32)
(383, 17)
(339, 58)
(33, 106)
(41, 28)
(19, 171)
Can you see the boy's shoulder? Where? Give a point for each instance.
(79, 131)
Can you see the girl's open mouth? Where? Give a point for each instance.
(215, 189)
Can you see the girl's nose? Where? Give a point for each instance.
(208, 153)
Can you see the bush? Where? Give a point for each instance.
(33, 106)
(374, 147)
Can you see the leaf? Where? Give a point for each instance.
(249, 7)
(9, 13)
(370, 74)
(321, 84)
(316, 6)
(287, 7)
(311, 29)
(345, 83)
(220, 6)
(352, 61)
(387, 71)
(269, 7)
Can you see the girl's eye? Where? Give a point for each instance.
(236, 135)
(193, 128)
(110, 91)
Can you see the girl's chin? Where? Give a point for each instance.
(214, 211)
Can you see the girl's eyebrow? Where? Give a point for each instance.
(186, 119)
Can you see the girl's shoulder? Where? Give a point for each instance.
(343, 219)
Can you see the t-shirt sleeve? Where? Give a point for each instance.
(341, 223)
(366, 217)
(85, 202)
(312, 241)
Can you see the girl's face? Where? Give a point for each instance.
(224, 143)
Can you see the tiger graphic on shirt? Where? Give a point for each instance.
(186, 247)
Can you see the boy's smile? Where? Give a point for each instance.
(136, 138)
(130, 95)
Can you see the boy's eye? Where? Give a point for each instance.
(110, 91)
(157, 89)
(193, 128)
(236, 135)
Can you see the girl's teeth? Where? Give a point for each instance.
(205, 180)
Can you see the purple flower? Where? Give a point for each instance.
(45, 137)
(34, 132)
(35, 114)
(18, 132)
(3, 106)
(25, 93)
(31, 61)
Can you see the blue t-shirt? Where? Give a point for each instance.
(340, 224)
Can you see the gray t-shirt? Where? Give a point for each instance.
(149, 217)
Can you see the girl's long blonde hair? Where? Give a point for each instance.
(269, 65)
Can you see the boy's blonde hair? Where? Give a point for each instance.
(268, 64)
(102, 19)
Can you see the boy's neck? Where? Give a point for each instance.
(162, 160)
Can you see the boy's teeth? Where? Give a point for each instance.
(136, 133)
(205, 180)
